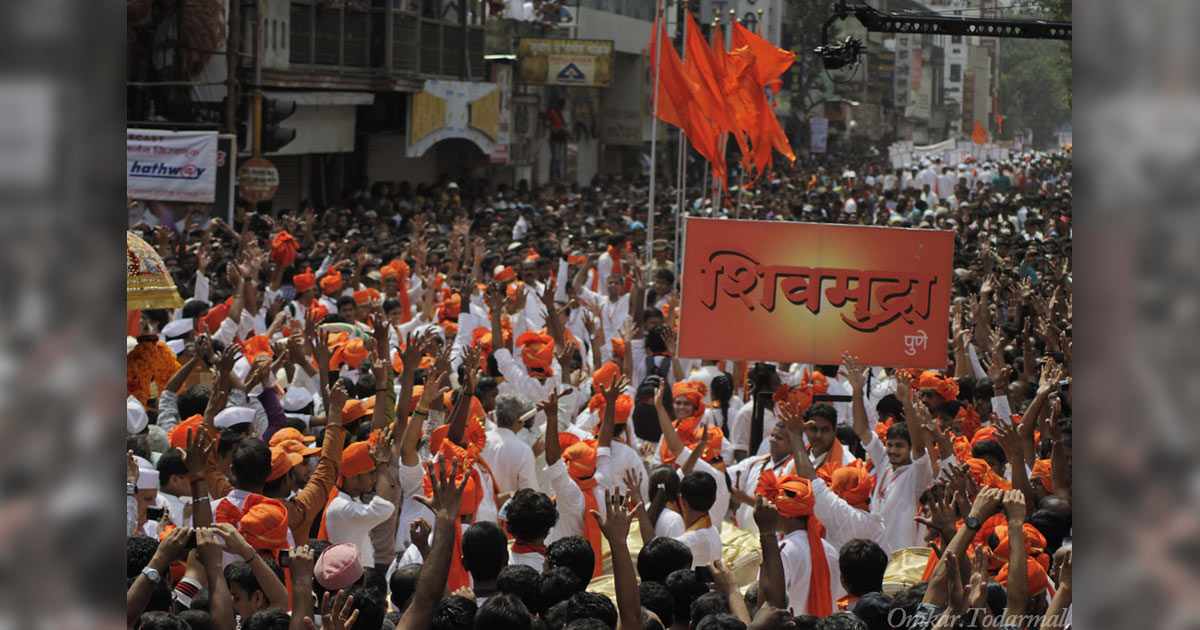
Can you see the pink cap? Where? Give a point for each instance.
(338, 567)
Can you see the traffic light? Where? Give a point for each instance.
(275, 111)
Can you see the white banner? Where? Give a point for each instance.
(820, 134)
(171, 165)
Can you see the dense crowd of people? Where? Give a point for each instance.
(458, 408)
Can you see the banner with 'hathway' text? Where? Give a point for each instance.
(807, 292)
(171, 165)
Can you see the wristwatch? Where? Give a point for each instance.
(971, 522)
(151, 574)
(130, 489)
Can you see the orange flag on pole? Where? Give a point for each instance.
(677, 102)
(770, 61)
(703, 67)
(979, 135)
(752, 112)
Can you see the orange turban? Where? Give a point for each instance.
(317, 311)
(331, 282)
(353, 410)
(695, 394)
(281, 462)
(283, 249)
(179, 433)
(216, 315)
(579, 455)
(945, 387)
(986, 433)
(356, 459)
(853, 484)
(304, 281)
(365, 295)
(506, 274)
(1035, 544)
(1042, 470)
(710, 451)
(256, 345)
(1039, 580)
(793, 498)
(801, 396)
(576, 259)
(395, 268)
(351, 352)
(264, 523)
(537, 351)
(984, 476)
(618, 347)
(605, 376)
(624, 408)
(450, 308)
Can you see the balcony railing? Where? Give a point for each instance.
(428, 38)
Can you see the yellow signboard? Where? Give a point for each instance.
(582, 62)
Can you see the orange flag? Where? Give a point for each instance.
(677, 103)
(703, 66)
(999, 122)
(752, 111)
(770, 61)
(737, 67)
(979, 135)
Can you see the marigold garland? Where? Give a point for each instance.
(150, 361)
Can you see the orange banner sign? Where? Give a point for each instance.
(807, 292)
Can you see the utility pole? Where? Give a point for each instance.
(232, 34)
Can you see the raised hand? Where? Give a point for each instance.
(615, 525)
(381, 453)
(633, 481)
(447, 495)
(418, 532)
(766, 516)
(1014, 506)
(199, 446)
(549, 406)
(340, 614)
(941, 515)
(614, 389)
(977, 586)
(234, 543)
(132, 472)
(854, 371)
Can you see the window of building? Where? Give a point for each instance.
(955, 72)
(956, 39)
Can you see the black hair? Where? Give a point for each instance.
(720, 621)
(160, 595)
(227, 441)
(584, 605)
(707, 604)
(750, 597)
(269, 619)
(661, 557)
(239, 573)
(454, 613)
(862, 564)
(195, 619)
(520, 580)
(251, 462)
(822, 410)
(652, 313)
(200, 600)
(138, 552)
(989, 448)
(890, 406)
(656, 598)
(195, 308)
(504, 611)
(403, 584)
(530, 515)
(899, 431)
(698, 491)
(907, 601)
(484, 550)
(345, 301)
(684, 588)
(391, 304)
(558, 584)
(375, 580)
(158, 620)
(365, 387)
(141, 447)
(170, 463)
(584, 623)
(984, 388)
(370, 606)
(193, 400)
(1052, 525)
(656, 340)
(806, 622)
(722, 390)
(948, 408)
(842, 621)
(666, 275)
(574, 553)
(847, 436)
(485, 385)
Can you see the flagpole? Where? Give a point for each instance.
(658, 36)
(683, 144)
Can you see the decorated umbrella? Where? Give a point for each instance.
(148, 283)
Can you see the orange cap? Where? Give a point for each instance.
(304, 281)
(331, 282)
(281, 462)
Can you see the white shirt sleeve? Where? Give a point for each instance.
(361, 515)
(568, 499)
(200, 292)
(604, 468)
(837, 515)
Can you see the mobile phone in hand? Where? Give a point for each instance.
(153, 513)
(191, 541)
(704, 574)
(284, 558)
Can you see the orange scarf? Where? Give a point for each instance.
(591, 529)
(833, 461)
(793, 498)
(520, 546)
